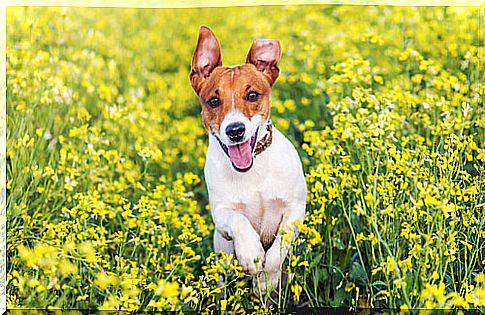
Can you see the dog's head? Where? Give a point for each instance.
(235, 100)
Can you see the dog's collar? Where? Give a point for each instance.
(266, 141)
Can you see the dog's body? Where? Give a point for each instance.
(253, 173)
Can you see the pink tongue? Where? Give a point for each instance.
(240, 154)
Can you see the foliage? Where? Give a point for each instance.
(107, 207)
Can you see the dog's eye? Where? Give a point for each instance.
(214, 102)
(252, 96)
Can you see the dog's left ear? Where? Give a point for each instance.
(265, 54)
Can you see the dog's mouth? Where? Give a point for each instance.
(241, 154)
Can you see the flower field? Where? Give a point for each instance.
(106, 200)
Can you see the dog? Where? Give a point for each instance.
(254, 176)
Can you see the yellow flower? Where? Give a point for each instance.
(360, 237)
(67, 268)
(296, 289)
(102, 281)
(223, 305)
(480, 278)
(87, 250)
(369, 198)
(167, 289)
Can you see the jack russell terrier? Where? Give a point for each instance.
(254, 175)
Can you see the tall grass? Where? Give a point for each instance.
(107, 206)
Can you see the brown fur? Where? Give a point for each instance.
(232, 84)
(225, 82)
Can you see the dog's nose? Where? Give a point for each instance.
(235, 131)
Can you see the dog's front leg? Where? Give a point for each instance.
(247, 244)
(276, 254)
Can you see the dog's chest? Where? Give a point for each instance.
(264, 213)
(265, 194)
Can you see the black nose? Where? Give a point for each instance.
(235, 131)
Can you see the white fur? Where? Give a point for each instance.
(250, 124)
(248, 208)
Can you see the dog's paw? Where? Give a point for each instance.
(251, 256)
(266, 282)
(273, 259)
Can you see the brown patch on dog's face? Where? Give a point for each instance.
(243, 89)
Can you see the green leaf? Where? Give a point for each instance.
(357, 274)
(379, 283)
(316, 260)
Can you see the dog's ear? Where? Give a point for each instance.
(265, 54)
(207, 57)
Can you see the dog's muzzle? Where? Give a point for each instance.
(241, 155)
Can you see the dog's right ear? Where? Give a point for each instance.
(207, 57)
